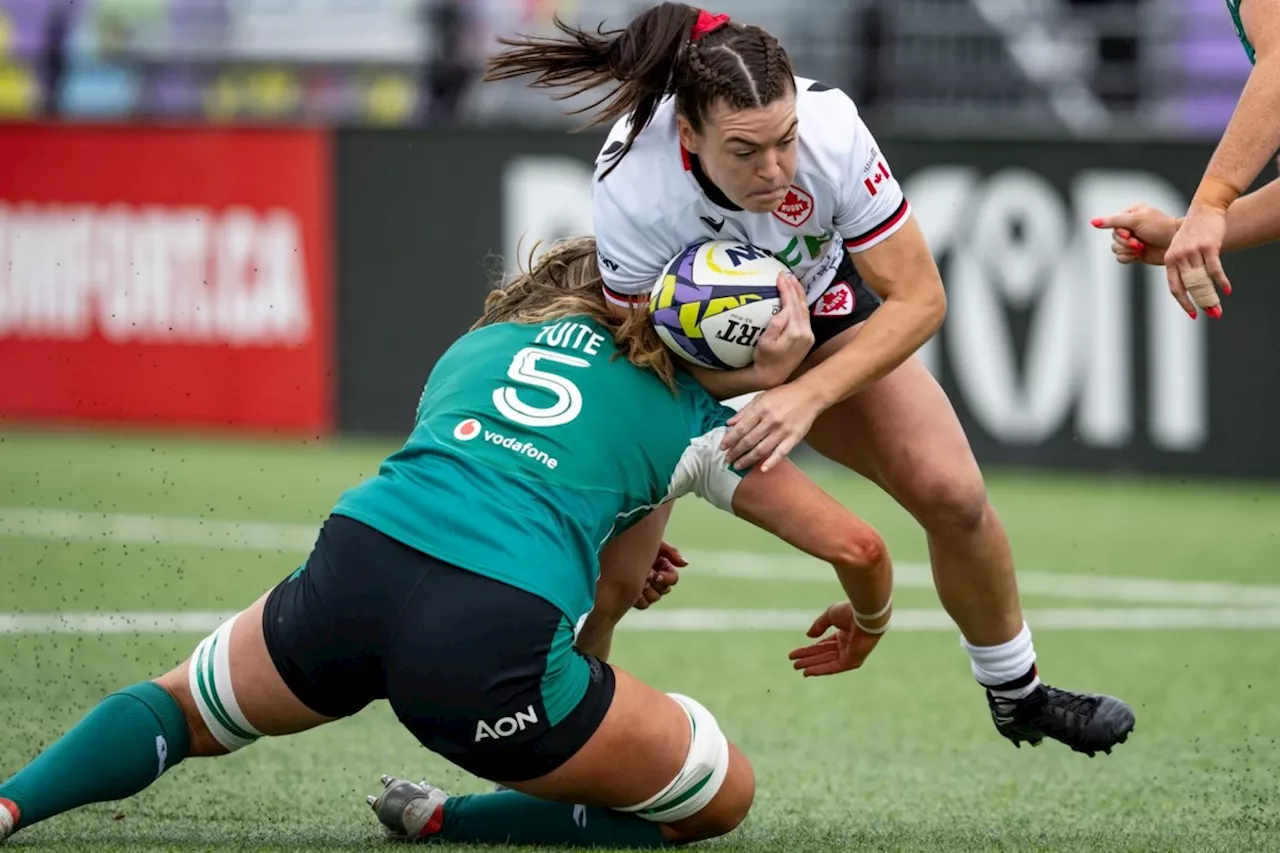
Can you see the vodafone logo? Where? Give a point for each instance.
(471, 429)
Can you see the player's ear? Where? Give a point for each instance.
(688, 137)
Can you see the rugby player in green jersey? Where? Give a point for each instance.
(456, 583)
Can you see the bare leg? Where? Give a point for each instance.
(258, 688)
(903, 434)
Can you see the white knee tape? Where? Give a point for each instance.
(702, 775)
(210, 677)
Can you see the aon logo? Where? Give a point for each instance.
(507, 726)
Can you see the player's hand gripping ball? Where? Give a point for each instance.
(713, 301)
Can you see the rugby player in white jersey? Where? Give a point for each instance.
(1219, 218)
(715, 137)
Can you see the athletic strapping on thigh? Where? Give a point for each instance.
(542, 434)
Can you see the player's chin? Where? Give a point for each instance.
(763, 202)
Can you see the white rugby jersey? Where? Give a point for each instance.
(657, 201)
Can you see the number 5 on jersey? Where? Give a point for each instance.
(524, 369)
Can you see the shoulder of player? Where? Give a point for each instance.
(834, 143)
(651, 170)
(694, 398)
(636, 204)
(656, 145)
(520, 329)
(686, 383)
(829, 121)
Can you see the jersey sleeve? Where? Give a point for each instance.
(870, 206)
(703, 469)
(625, 249)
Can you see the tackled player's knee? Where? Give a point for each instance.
(200, 741)
(734, 802)
(209, 680)
(701, 780)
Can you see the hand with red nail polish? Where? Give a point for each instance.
(1139, 234)
(1192, 263)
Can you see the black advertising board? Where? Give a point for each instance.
(1052, 353)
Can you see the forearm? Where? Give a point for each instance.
(788, 504)
(596, 636)
(1254, 219)
(1252, 135)
(624, 570)
(727, 384)
(611, 605)
(870, 590)
(898, 328)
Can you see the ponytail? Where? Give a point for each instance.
(640, 61)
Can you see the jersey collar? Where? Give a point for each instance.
(710, 190)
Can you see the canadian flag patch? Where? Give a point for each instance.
(876, 178)
(836, 301)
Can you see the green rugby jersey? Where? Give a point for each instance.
(533, 446)
(1234, 6)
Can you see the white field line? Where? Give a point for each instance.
(704, 620)
(794, 567)
(151, 529)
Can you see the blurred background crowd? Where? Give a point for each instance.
(1112, 68)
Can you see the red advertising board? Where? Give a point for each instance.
(157, 275)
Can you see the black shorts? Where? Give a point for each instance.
(845, 303)
(482, 673)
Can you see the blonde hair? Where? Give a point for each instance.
(565, 281)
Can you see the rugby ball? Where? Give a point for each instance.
(713, 301)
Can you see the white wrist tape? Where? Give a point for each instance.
(873, 616)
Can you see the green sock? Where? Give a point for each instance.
(509, 817)
(121, 747)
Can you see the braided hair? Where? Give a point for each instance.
(672, 49)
